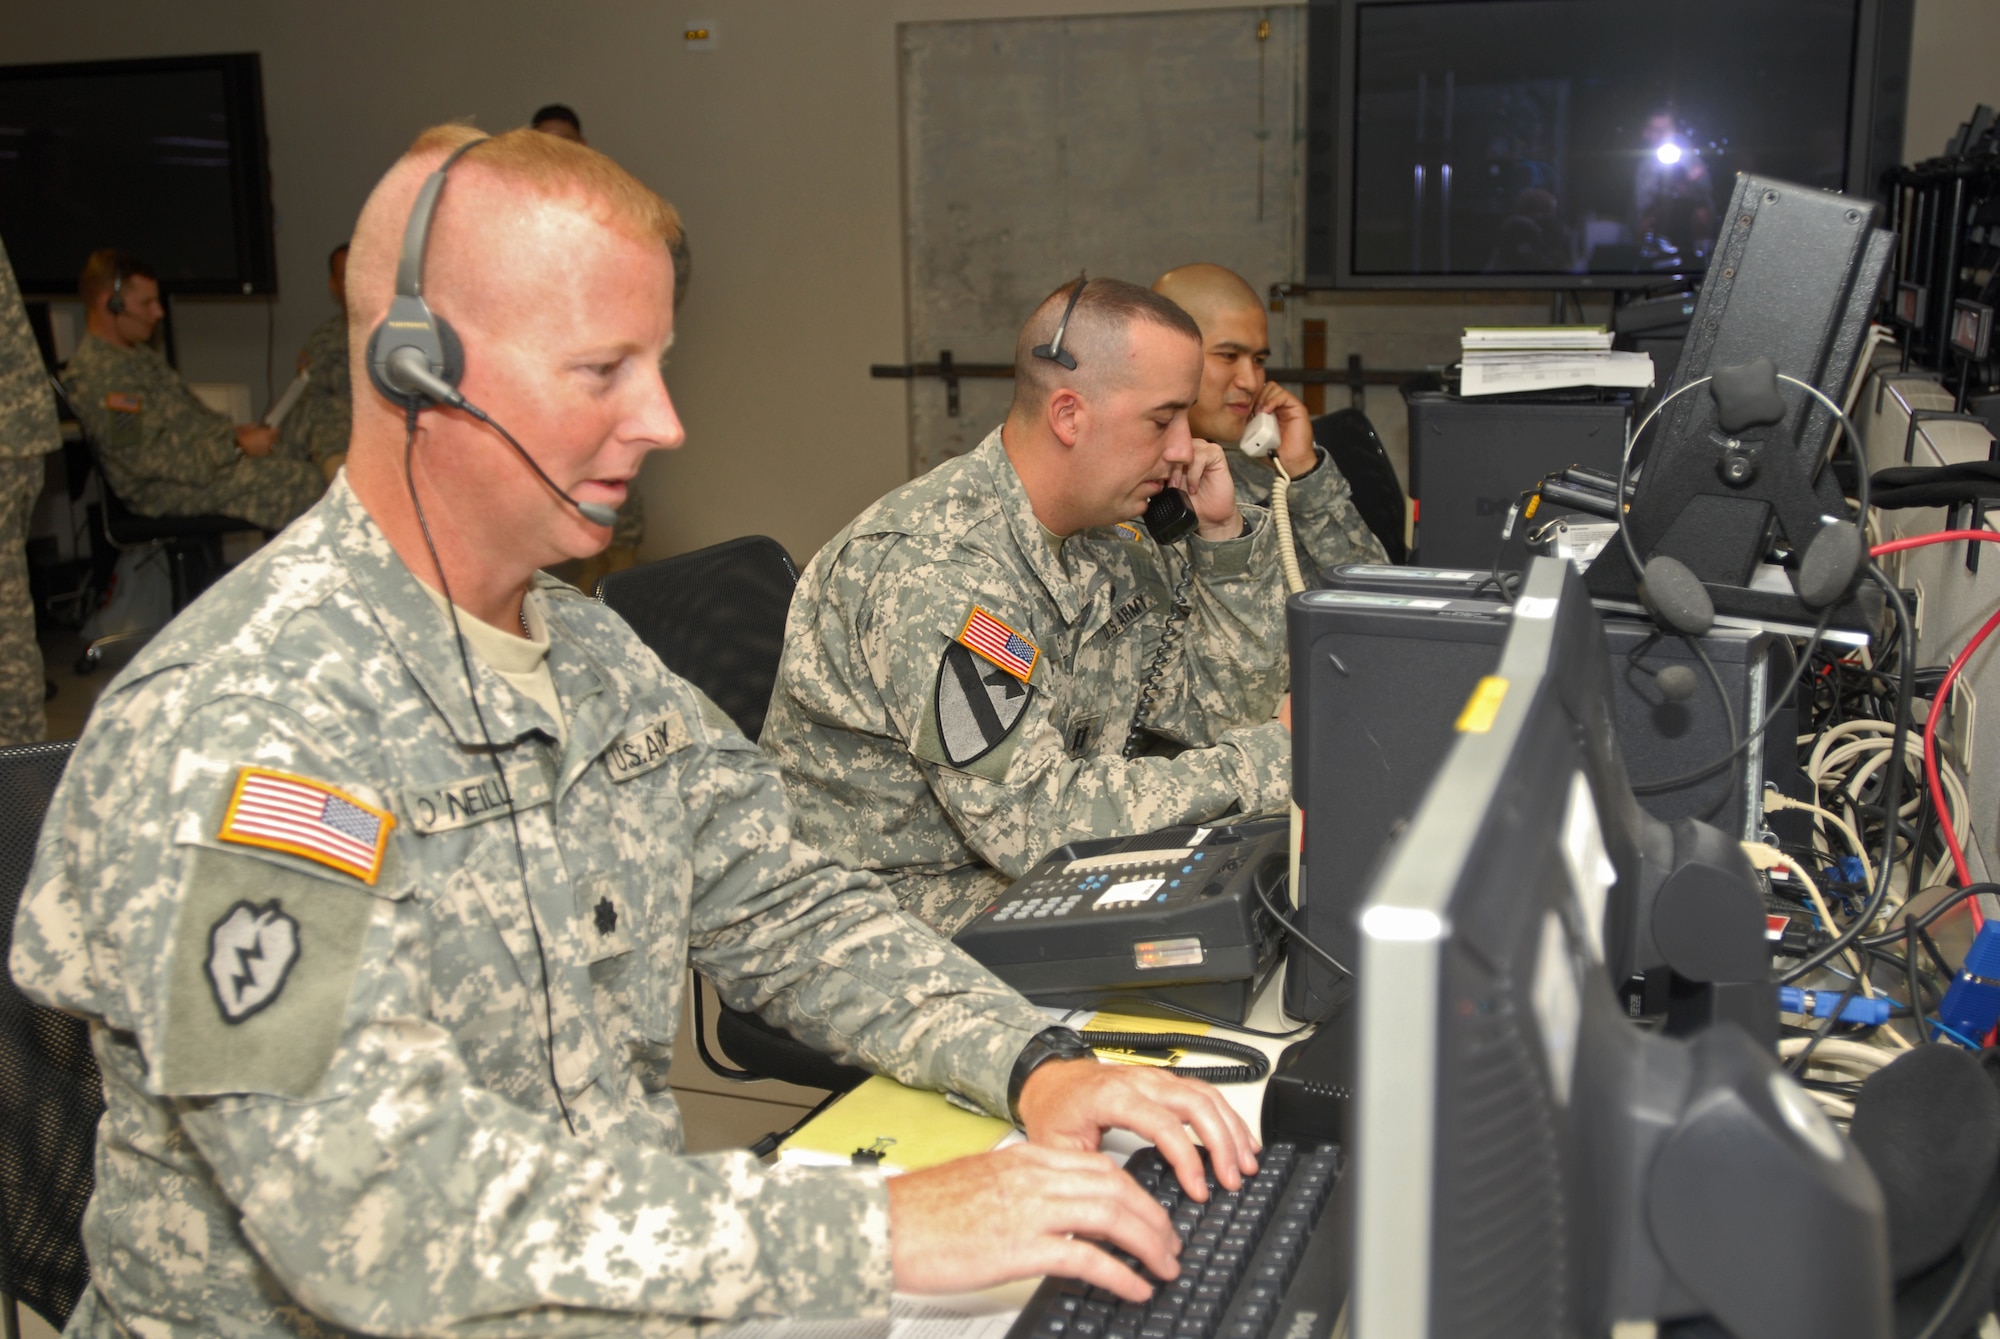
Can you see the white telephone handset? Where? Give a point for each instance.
(1260, 442)
(1260, 439)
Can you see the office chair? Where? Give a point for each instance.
(716, 617)
(1352, 442)
(193, 544)
(50, 1092)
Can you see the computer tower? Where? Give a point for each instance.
(1470, 460)
(1378, 682)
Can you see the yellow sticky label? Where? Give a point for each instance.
(1482, 706)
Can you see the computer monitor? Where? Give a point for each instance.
(1528, 1160)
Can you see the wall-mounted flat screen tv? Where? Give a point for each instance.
(1579, 143)
(163, 158)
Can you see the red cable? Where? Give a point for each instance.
(1941, 537)
(1930, 757)
(1944, 696)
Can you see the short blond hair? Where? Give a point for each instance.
(553, 168)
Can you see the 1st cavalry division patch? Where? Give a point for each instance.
(977, 705)
(309, 819)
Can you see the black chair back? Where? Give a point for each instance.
(716, 617)
(1351, 440)
(50, 1094)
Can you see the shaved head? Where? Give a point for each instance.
(1098, 337)
(1235, 341)
(1207, 291)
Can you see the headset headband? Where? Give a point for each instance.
(1053, 351)
(417, 232)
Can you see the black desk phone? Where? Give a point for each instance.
(1173, 914)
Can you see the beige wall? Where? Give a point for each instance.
(1952, 66)
(781, 147)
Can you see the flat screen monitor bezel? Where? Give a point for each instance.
(250, 170)
(1860, 116)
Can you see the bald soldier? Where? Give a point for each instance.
(1235, 344)
(163, 451)
(997, 658)
(379, 873)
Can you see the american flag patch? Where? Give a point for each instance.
(281, 812)
(123, 402)
(987, 636)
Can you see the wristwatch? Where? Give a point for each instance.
(1051, 1043)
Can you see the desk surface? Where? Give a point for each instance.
(1266, 1014)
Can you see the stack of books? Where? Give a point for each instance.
(1502, 360)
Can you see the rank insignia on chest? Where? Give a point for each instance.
(309, 819)
(986, 636)
(606, 915)
(122, 402)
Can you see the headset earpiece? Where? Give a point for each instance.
(115, 304)
(412, 324)
(1670, 589)
(1831, 564)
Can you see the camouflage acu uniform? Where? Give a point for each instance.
(318, 425)
(906, 752)
(330, 1102)
(165, 453)
(1326, 529)
(27, 433)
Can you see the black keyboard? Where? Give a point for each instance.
(1263, 1262)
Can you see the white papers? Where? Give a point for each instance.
(1555, 371)
(1580, 337)
(276, 413)
(1499, 361)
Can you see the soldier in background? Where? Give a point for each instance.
(379, 875)
(317, 426)
(558, 120)
(28, 432)
(163, 451)
(1235, 343)
(972, 665)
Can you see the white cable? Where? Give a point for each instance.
(1838, 1053)
(1774, 800)
(1281, 513)
(1798, 872)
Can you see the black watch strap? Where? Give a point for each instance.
(1051, 1043)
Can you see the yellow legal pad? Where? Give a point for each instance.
(909, 1127)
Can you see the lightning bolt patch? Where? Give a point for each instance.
(251, 951)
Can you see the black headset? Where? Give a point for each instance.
(415, 358)
(115, 304)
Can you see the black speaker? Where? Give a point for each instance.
(1379, 677)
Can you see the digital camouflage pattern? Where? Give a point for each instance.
(165, 453)
(28, 432)
(320, 421)
(329, 1102)
(1326, 528)
(855, 721)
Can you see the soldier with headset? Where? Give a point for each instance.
(163, 451)
(385, 952)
